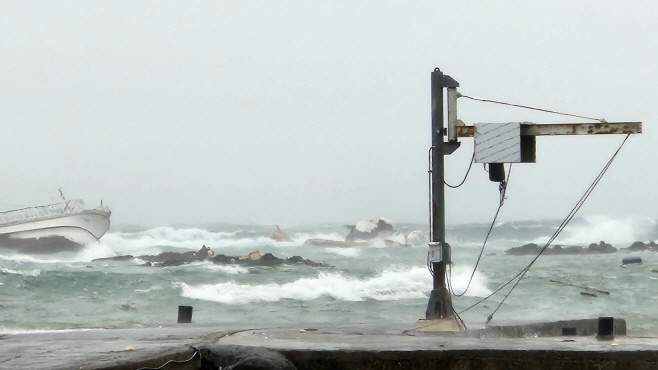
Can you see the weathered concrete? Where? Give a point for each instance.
(321, 346)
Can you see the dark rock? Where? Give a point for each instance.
(267, 259)
(367, 230)
(203, 253)
(304, 261)
(524, 250)
(641, 246)
(169, 258)
(221, 258)
(601, 248)
(534, 249)
(254, 259)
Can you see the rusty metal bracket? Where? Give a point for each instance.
(544, 129)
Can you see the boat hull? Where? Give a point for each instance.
(69, 232)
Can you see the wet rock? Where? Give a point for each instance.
(524, 250)
(203, 253)
(166, 259)
(267, 259)
(641, 246)
(253, 259)
(367, 230)
(534, 249)
(304, 261)
(601, 248)
(221, 258)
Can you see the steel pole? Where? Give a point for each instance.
(440, 302)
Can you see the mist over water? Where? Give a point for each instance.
(363, 284)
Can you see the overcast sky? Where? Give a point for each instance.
(300, 112)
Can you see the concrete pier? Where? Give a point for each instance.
(327, 346)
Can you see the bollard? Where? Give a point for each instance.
(606, 328)
(184, 314)
(569, 331)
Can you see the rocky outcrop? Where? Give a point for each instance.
(366, 230)
(534, 249)
(252, 259)
(640, 246)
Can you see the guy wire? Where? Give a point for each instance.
(562, 226)
(503, 189)
(528, 107)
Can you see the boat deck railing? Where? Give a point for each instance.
(34, 213)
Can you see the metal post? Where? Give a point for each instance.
(440, 302)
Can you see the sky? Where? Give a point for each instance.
(303, 112)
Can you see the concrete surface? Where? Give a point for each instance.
(321, 346)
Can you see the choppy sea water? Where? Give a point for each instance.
(375, 284)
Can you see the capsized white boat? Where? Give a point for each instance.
(53, 228)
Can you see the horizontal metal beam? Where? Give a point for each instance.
(541, 129)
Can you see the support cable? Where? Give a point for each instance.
(465, 176)
(502, 188)
(431, 202)
(519, 276)
(459, 95)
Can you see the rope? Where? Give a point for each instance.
(465, 176)
(171, 362)
(528, 107)
(560, 228)
(502, 188)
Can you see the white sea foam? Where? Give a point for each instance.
(459, 281)
(403, 284)
(226, 269)
(621, 233)
(345, 252)
(20, 272)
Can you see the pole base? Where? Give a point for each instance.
(439, 305)
(451, 324)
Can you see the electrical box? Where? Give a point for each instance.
(436, 252)
(503, 143)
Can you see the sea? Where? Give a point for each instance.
(374, 284)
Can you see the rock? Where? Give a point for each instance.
(533, 249)
(170, 258)
(298, 259)
(367, 230)
(252, 259)
(204, 253)
(640, 246)
(523, 250)
(254, 256)
(220, 258)
(601, 248)
(268, 259)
